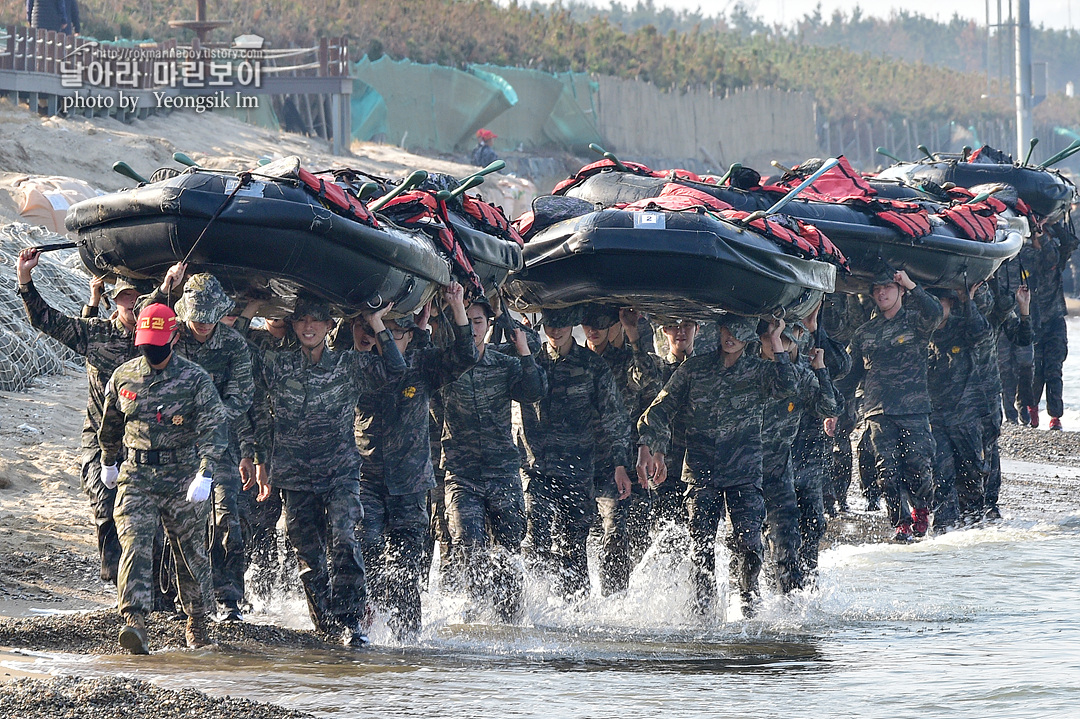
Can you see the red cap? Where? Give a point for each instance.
(485, 134)
(155, 326)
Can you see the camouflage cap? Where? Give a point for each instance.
(204, 300)
(308, 306)
(795, 331)
(123, 284)
(883, 277)
(741, 328)
(600, 316)
(484, 302)
(563, 316)
(405, 323)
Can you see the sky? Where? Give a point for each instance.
(1059, 14)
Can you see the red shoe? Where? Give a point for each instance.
(1033, 414)
(903, 533)
(920, 522)
(1055, 423)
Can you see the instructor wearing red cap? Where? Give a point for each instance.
(483, 155)
(164, 411)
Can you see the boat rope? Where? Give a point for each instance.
(244, 177)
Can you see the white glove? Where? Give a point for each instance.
(109, 473)
(199, 489)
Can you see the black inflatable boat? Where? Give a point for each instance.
(943, 258)
(671, 264)
(273, 238)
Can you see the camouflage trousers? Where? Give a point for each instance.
(669, 498)
(811, 466)
(141, 506)
(781, 515)
(559, 512)
(839, 463)
(440, 537)
(225, 535)
(102, 503)
(869, 481)
(625, 525)
(1051, 350)
(1016, 365)
(903, 450)
(319, 524)
(706, 507)
(393, 531)
(258, 523)
(991, 431)
(486, 518)
(960, 467)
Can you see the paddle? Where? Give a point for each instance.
(414, 179)
(886, 153)
(493, 167)
(608, 156)
(184, 159)
(1054, 159)
(735, 167)
(367, 190)
(785, 170)
(56, 246)
(1031, 148)
(929, 155)
(124, 169)
(825, 167)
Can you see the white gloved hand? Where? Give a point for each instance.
(199, 489)
(109, 473)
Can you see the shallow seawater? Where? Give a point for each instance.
(976, 623)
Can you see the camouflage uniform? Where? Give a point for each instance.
(483, 466)
(393, 434)
(560, 432)
(170, 425)
(315, 463)
(669, 498)
(1051, 342)
(226, 357)
(958, 405)
(106, 344)
(625, 522)
(889, 359)
(814, 398)
(721, 409)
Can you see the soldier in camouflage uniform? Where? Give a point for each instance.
(396, 476)
(582, 408)
(484, 496)
(637, 376)
(1052, 342)
(163, 412)
(814, 396)
(888, 359)
(312, 394)
(669, 498)
(957, 406)
(720, 398)
(224, 354)
(106, 343)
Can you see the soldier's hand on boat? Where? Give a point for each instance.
(97, 291)
(252, 308)
(776, 327)
(521, 342)
(28, 260)
(901, 278)
(374, 318)
(173, 278)
(817, 361)
(628, 318)
(622, 482)
(247, 472)
(262, 478)
(1023, 299)
(454, 294)
(423, 317)
(830, 426)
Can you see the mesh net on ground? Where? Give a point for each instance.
(26, 353)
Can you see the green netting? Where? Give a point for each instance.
(572, 123)
(523, 124)
(25, 353)
(368, 114)
(431, 106)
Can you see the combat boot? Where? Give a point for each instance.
(1055, 423)
(1033, 416)
(903, 533)
(133, 635)
(920, 522)
(196, 633)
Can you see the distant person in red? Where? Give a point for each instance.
(482, 155)
(58, 15)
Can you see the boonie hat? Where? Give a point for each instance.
(311, 306)
(204, 300)
(122, 285)
(743, 329)
(563, 316)
(600, 316)
(155, 326)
